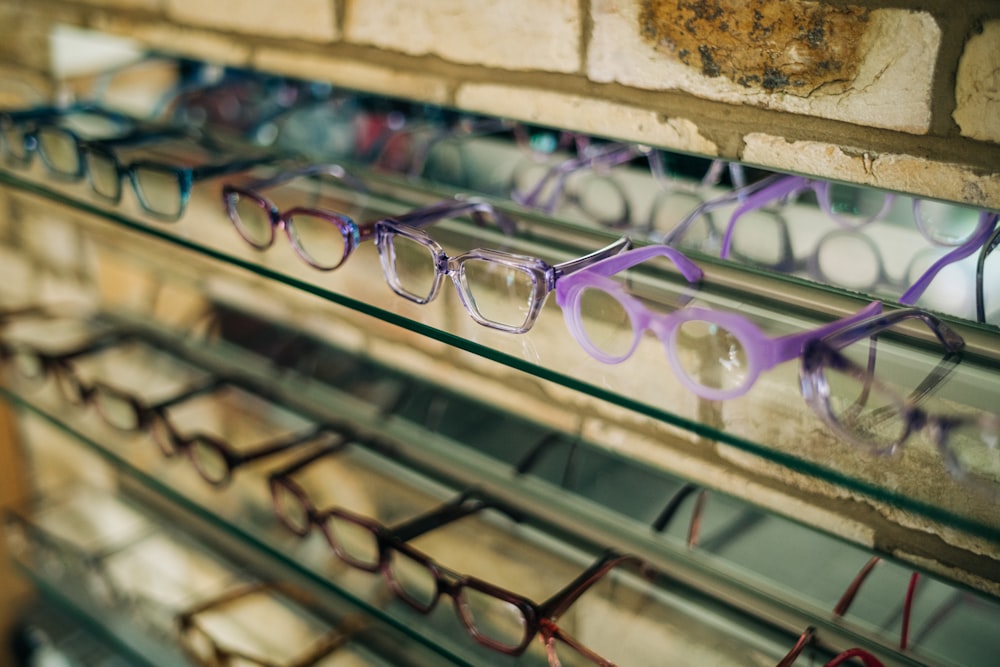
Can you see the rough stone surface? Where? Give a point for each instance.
(769, 44)
(977, 90)
(585, 115)
(516, 34)
(903, 173)
(354, 74)
(845, 64)
(313, 20)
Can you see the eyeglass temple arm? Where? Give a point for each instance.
(677, 233)
(325, 450)
(556, 605)
(621, 261)
(467, 503)
(792, 345)
(453, 208)
(987, 223)
(809, 635)
(852, 590)
(845, 336)
(211, 170)
(280, 444)
(667, 513)
(573, 265)
(330, 169)
(189, 393)
(776, 190)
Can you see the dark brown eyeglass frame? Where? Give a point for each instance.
(390, 542)
(57, 366)
(225, 452)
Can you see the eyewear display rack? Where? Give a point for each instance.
(623, 418)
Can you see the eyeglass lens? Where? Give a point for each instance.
(708, 354)
(500, 294)
(102, 170)
(411, 267)
(59, 150)
(158, 189)
(877, 412)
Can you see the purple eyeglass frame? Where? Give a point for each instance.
(544, 276)
(351, 233)
(822, 353)
(763, 352)
(591, 158)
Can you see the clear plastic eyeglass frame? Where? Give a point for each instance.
(761, 352)
(539, 277)
(823, 356)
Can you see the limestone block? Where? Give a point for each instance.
(123, 4)
(516, 34)
(161, 35)
(593, 116)
(902, 173)
(977, 90)
(354, 74)
(842, 63)
(313, 20)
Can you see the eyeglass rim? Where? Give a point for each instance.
(347, 227)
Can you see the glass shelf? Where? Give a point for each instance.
(132, 586)
(242, 517)
(771, 422)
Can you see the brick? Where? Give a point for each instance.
(902, 173)
(517, 34)
(593, 116)
(977, 89)
(354, 75)
(123, 4)
(201, 44)
(312, 20)
(884, 81)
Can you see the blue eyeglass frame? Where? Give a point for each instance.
(36, 119)
(185, 177)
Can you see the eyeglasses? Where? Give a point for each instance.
(991, 244)
(771, 247)
(162, 189)
(217, 460)
(35, 365)
(839, 382)
(717, 355)
(601, 199)
(500, 290)
(48, 131)
(324, 239)
(433, 147)
(201, 646)
(493, 616)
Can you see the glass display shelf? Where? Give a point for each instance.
(786, 604)
(141, 574)
(771, 421)
(130, 644)
(44, 629)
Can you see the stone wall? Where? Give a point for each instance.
(902, 95)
